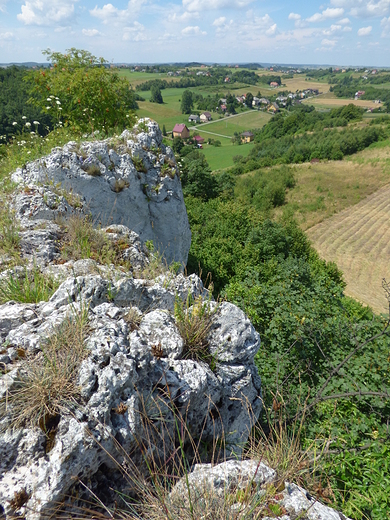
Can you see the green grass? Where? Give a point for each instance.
(222, 157)
(247, 121)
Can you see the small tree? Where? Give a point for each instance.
(156, 96)
(82, 91)
(187, 102)
(164, 131)
(249, 100)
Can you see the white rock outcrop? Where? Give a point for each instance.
(132, 180)
(121, 380)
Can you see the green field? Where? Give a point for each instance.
(222, 157)
(248, 120)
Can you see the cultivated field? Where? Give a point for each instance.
(326, 188)
(358, 240)
(329, 100)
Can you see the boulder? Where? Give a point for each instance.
(132, 180)
(134, 373)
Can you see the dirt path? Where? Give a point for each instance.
(358, 240)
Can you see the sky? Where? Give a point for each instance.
(337, 32)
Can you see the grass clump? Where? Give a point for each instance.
(92, 169)
(194, 321)
(46, 385)
(82, 240)
(120, 185)
(33, 287)
(9, 236)
(139, 164)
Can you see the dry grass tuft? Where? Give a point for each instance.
(46, 385)
(82, 240)
(133, 318)
(194, 321)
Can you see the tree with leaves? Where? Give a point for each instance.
(80, 90)
(156, 96)
(187, 102)
(249, 100)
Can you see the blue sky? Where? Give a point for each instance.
(340, 32)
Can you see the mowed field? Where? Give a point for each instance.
(358, 240)
(329, 100)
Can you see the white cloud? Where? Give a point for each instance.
(193, 31)
(91, 32)
(183, 18)
(135, 33)
(109, 14)
(298, 22)
(207, 5)
(385, 24)
(364, 8)
(47, 12)
(327, 14)
(2, 5)
(272, 30)
(328, 43)
(218, 22)
(347, 29)
(364, 31)
(332, 29)
(6, 36)
(344, 21)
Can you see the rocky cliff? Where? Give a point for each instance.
(127, 364)
(131, 180)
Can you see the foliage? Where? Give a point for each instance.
(82, 91)
(196, 177)
(14, 107)
(156, 96)
(249, 100)
(186, 102)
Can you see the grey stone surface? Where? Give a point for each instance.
(139, 370)
(148, 202)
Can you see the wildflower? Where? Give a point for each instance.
(59, 108)
(29, 152)
(14, 123)
(24, 117)
(28, 124)
(58, 102)
(36, 122)
(48, 108)
(48, 99)
(32, 133)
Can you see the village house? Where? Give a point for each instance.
(180, 130)
(206, 116)
(359, 94)
(274, 107)
(256, 101)
(247, 137)
(223, 108)
(193, 118)
(273, 84)
(198, 140)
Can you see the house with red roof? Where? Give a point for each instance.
(198, 139)
(180, 130)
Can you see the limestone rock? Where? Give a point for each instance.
(132, 371)
(118, 181)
